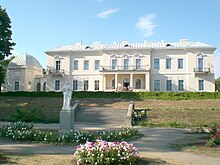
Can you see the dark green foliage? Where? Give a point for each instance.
(123, 95)
(5, 35)
(139, 116)
(217, 84)
(6, 43)
(34, 115)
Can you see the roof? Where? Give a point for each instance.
(126, 45)
(24, 60)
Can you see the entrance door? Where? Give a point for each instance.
(126, 83)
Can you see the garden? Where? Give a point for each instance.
(201, 116)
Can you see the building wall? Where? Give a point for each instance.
(25, 76)
(147, 56)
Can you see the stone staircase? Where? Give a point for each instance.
(99, 118)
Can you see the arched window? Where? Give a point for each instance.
(113, 84)
(138, 84)
(38, 87)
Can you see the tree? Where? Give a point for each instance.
(3, 68)
(6, 43)
(217, 84)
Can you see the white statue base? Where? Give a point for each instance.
(66, 119)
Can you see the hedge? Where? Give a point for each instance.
(122, 95)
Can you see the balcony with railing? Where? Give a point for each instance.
(124, 68)
(56, 72)
(201, 70)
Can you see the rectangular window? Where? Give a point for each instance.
(58, 65)
(156, 85)
(181, 85)
(16, 86)
(168, 63)
(200, 63)
(180, 63)
(169, 85)
(126, 64)
(75, 65)
(86, 85)
(97, 64)
(96, 85)
(201, 85)
(86, 64)
(57, 85)
(114, 63)
(138, 63)
(156, 63)
(75, 85)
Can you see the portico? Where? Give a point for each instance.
(125, 81)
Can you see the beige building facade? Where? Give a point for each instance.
(24, 73)
(160, 66)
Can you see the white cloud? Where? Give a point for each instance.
(145, 25)
(217, 63)
(106, 13)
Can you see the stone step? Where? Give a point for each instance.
(100, 116)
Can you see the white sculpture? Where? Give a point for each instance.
(67, 96)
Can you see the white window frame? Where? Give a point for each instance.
(76, 65)
(203, 85)
(57, 85)
(75, 85)
(182, 85)
(170, 87)
(138, 86)
(115, 63)
(156, 85)
(178, 63)
(168, 63)
(86, 65)
(16, 86)
(97, 82)
(97, 67)
(86, 85)
(158, 64)
(138, 64)
(126, 62)
(57, 64)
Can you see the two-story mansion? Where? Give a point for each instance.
(159, 66)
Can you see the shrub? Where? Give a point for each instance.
(214, 138)
(28, 115)
(122, 134)
(102, 152)
(122, 95)
(25, 132)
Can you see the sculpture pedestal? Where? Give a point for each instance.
(66, 120)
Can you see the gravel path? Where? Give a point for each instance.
(154, 144)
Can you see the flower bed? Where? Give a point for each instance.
(25, 132)
(102, 152)
(214, 138)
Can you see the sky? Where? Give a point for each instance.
(40, 25)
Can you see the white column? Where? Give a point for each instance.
(131, 81)
(147, 85)
(116, 81)
(104, 82)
